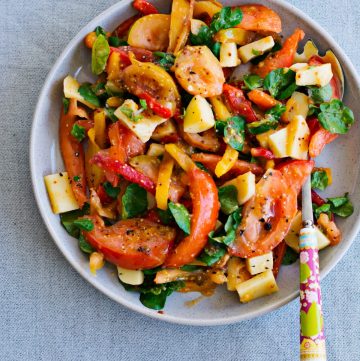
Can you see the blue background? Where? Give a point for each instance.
(47, 311)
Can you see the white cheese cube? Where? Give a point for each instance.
(196, 26)
(198, 116)
(299, 66)
(245, 185)
(297, 104)
(130, 277)
(71, 90)
(228, 55)
(61, 196)
(278, 143)
(263, 138)
(260, 264)
(256, 48)
(258, 286)
(298, 138)
(318, 75)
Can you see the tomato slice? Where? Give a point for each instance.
(133, 243)
(241, 166)
(204, 195)
(73, 153)
(268, 215)
(238, 103)
(258, 17)
(283, 58)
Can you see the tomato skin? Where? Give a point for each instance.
(73, 153)
(238, 103)
(258, 17)
(313, 124)
(263, 100)
(318, 141)
(316, 199)
(155, 106)
(204, 195)
(145, 7)
(241, 166)
(283, 58)
(135, 243)
(268, 215)
(262, 152)
(122, 29)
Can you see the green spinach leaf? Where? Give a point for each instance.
(134, 201)
(78, 132)
(67, 220)
(279, 83)
(234, 132)
(319, 180)
(88, 94)
(100, 54)
(212, 253)
(228, 199)
(66, 103)
(111, 191)
(290, 257)
(226, 18)
(181, 216)
(116, 42)
(84, 224)
(253, 81)
(84, 245)
(341, 206)
(165, 60)
(320, 94)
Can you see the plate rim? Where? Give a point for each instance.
(48, 83)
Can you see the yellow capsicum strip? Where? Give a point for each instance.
(184, 161)
(220, 109)
(227, 161)
(163, 182)
(100, 128)
(94, 174)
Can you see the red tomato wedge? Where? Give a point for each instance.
(73, 154)
(133, 243)
(283, 58)
(204, 195)
(257, 17)
(267, 216)
(238, 103)
(318, 141)
(241, 166)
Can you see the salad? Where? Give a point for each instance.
(185, 159)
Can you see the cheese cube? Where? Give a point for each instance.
(263, 138)
(61, 196)
(318, 75)
(278, 143)
(299, 66)
(245, 185)
(196, 26)
(130, 277)
(228, 55)
(198, 116)
(256, 48)
(236, 273)
(71, 90)
(258, 286)
(233, 35)
(298, 104)
(259, 264)
(298, 138)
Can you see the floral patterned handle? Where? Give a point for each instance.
(312, 338)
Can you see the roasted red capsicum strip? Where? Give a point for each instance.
(104, 161)
(237, 102)
(204, 195)
(140, 54)
(262, 152)
(73, 154)
(155, 106)
(125, 26)
(144, 7)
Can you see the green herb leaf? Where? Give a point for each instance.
(212, 253)
(67, 220)
(320, 94)
(287, 92)
(341, 206)
(166, 217)
(134, 201)
(228, 199)
(226, 18)
(130, 114)
(116, 42)
(313, 110)
(88, 94)
(111, 191)
(325, 208)
(253, 81)
(290, 257)
(234, 132)
(260, 58)
(100, 31)
(319, 180)
(165, 60)
(203, 37)
(110, 114)
(84, 224)
(66, 103)
(276, 112)
(336, 117)
(190, 268)
(262, 126)
(143, 104)
(76, 178)
(202, 167)
(100, 54)
(280, 82)
(181, 216)
(78, 132)
(84, 245)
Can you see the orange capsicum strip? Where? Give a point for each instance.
(163, 182)
(227, 161)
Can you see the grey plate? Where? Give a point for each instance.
(224, 307)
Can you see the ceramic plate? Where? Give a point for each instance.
(224, 307)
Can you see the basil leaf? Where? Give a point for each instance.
(336, 117)
(134, 201)
(341, 206)
(280, 82)
(87, 93)
(320, 94)
(116, 42)
(84, 245)
(262, 126)
(234, 132)
(253, 81)
(212, 253)
(165, 60)
(111, 191)
(100, 54)
(84, 224)
(100, 31)
(319, 180)
(226, 18)
(66, 103)
(78, 132)
(228, 199)
(67, 220)
(181, 216)
(290, 257)
(325, 208)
